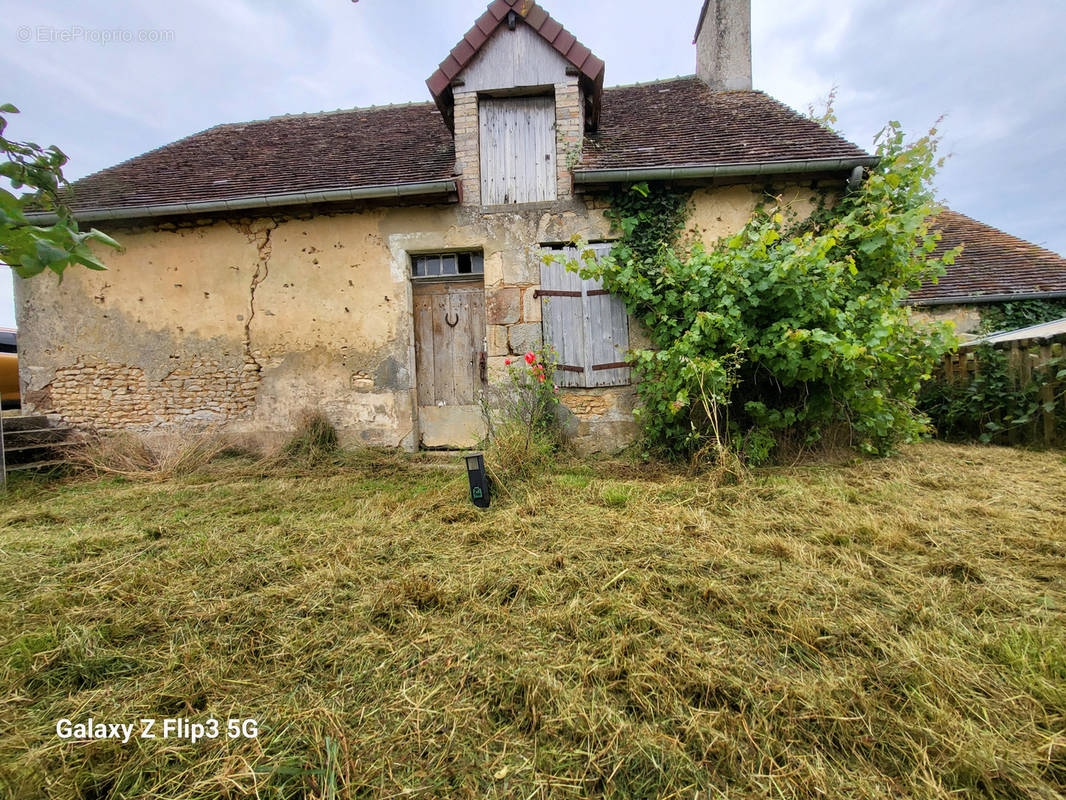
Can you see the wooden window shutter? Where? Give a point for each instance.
(587, 326)
(517, 140)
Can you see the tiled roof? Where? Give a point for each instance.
(682, 122)
(588, 65)
(670, 123)
(380, 146)
(992, 263)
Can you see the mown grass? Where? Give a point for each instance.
(875, 629)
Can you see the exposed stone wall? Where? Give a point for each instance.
(467, 147)
(569, 133)
(967, 319)
(108, 395)
(513, 318)
(600, 420)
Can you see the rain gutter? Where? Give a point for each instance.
(259, 201)
(985, 298)
(692, 171)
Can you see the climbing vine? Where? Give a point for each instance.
(786, 329)
(1020, 314)
(650, 220)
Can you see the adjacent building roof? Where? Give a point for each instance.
(993, 266)
(676, 122)
(589, 67)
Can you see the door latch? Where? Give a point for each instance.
(483, 366)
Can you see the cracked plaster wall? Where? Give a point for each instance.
(244, 324)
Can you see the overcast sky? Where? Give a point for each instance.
(85, 81)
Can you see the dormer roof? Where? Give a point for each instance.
(588, 67)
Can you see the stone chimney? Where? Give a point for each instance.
(723, 44)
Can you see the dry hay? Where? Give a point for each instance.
(878, 629)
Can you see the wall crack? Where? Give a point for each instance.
(258, 234)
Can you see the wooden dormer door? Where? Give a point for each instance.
(451, 361)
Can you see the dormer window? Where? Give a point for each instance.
(519, 92)
(517, 149)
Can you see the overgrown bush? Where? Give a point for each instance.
(520, 418)
(786, 329)
(314, 438)
(991, 407)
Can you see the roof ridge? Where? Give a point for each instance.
(675, 79)
(652, 82)
(337, 111)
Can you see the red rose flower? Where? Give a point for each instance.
(530, 358)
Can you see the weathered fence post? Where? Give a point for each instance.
(1014, 361)
(1047, 394)
(3, 462)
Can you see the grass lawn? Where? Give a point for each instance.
(886, 628)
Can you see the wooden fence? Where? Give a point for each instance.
(1025, 358)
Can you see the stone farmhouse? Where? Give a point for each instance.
(380, 264)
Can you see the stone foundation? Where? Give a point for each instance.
(599, 420)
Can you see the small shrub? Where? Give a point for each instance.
(313, 440)
(519, 413)
(755, 446)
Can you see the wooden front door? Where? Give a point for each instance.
(450, 361)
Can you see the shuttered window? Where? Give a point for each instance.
(517, 150)
(587, 326)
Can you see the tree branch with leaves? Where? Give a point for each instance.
(29, 248)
